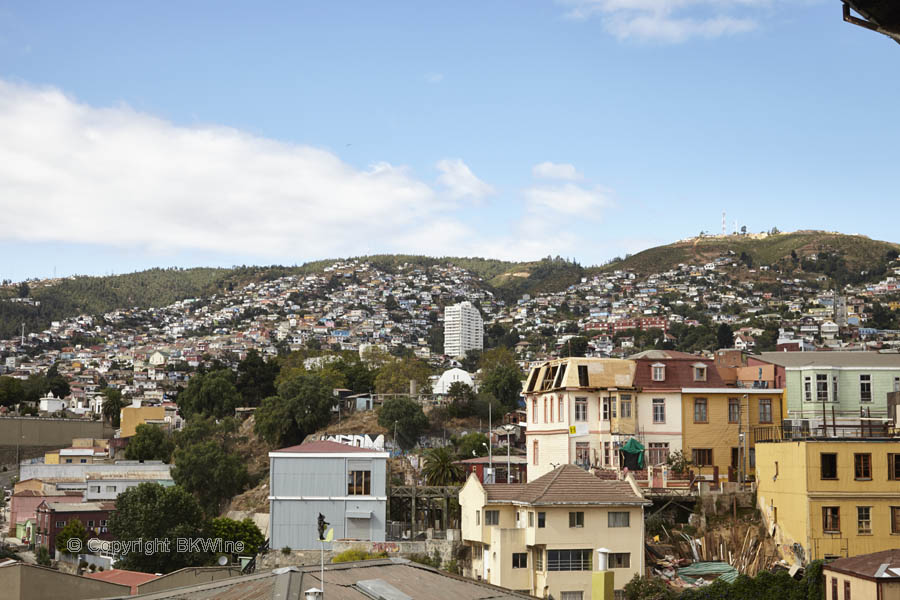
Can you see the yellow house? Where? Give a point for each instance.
(713, 420)
(869, 576)
(542, 537)
(828, 498)
(132, 416)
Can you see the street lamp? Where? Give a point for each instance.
(509, 428)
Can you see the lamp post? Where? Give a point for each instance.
(509, 430)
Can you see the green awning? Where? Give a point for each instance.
(633, 446)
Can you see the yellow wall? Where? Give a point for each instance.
(132, 416)
(51, 458)
(717, 433)
(799, 494)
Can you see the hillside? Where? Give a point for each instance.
(858, 252)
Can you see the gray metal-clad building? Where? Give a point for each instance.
(344, 483)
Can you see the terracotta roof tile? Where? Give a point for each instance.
(868, 565)
(567, 484)
(324, 446)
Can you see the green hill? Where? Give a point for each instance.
(855, 252)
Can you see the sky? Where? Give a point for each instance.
(219, 133)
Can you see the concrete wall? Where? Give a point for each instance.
(74, 471)
(29, 582)
(188, 576)
(36, 431)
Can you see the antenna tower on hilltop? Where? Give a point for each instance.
(723, 222)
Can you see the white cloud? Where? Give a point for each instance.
(460, 181)
(434, 77)
(74, 173)
(670, 21)
(551, 170)
(570, 200)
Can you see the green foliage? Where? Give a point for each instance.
(112, 406)
(501, 377)
(433, 561)
(244, 531)
(150, 443)
(212, 393)
(462, 400)
(574, 346)
(355, 554)
(302, 406)
(210, 473)
(678, 461)
(42, 556)
(11, 391)
(394, 376)
(256, 378)
(405, 416)
(724, 336)
(439, 468)
(151, 511)
(73, 529)
(286, 550)
(648, 588)
(471, 445)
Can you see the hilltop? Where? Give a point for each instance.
(856, 251)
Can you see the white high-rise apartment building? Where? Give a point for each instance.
(463, 329)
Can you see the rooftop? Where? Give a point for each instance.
(567, 484)
(832, 359)
(878, 565)
(325, 447)
(123, 577)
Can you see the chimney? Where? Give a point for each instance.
(602, 580)
(313, 594)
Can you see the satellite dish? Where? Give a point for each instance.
(223, 560)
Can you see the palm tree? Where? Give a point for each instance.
(439, 468)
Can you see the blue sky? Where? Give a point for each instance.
(216, 133)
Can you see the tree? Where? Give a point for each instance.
(211, 393)
(724, 336)
(462, 400)
(440, 469)
(394, 376)
(302, 406)
(42, 556)
(149, 443)
(503, 382)
(11, 391)
(210, 473)
(23, 290)
(471, 445)
(405, 416)
(112, 405)
(245, 531)
(648, 588)
(153, 512)
(256, 378)
(574, 346)
(73, 529)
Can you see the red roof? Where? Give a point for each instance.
(123, 577)
(679, 370)
(324, 446)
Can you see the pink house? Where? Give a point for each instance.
(23, 504)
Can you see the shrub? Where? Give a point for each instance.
(286, 550)
(354, 554)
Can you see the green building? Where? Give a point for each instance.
(847, 389)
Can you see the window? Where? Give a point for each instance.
(659, 372)
(659, 410)
(829, 465)
(846, 590)
(359, 483)
(90, 523)
(569, 560)
(834, 388)
(576, 519)
(897, 384)
(492, 517)
(625, 407)
(531, 519)
(735, 457)
(895, 519)
(865, 388)
(477, 517)
(582, 376)
(103, 523)
(68, 461)
(807, 389)
(702, 457)
(864, 519)
(700, 410)
(60, 523)
(619, 560)
(534, 403)
(699, 373)
(534, 453)
(619, 519)
(862, 466)
(605, 414)
(95, 489)
(539, 559)
(894, 467)
(580, 409)
(542, 520)
(658, 453)
(606, 453)
(560, 376)
(583, 454)
(520, 560)
(619, 595)
(613, 402)
(579, 595)
(821, 388)
(546, 419)
(752, 457)
(110, 488)
(765, 410)
(734, 410)
(83, 460)
(532, 380)
(559, 409)
(831, 519)
(834, 588)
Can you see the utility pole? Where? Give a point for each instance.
(490, 429)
